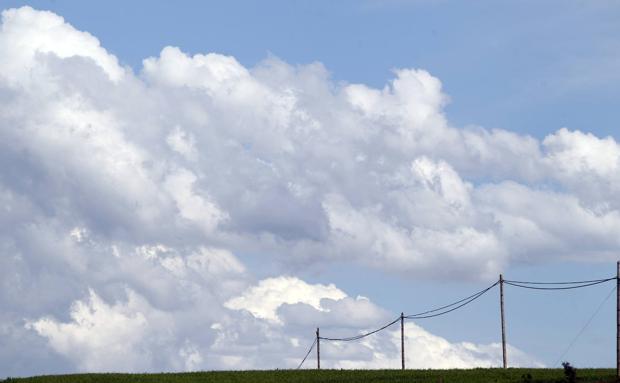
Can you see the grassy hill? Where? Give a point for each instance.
(479, 375)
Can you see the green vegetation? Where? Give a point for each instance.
(479, 375)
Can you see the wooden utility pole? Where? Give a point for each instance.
(318, 350)
(402, 340)
(501, 305)
(618, 319)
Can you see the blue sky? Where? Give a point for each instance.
(277, 204)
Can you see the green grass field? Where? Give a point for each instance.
(480, 375)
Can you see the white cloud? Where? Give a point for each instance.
(215, 261)
(27, 33)
(414, 97)
(101, 337)
(149, 189)
(182, 143)
(537, 222)
(199, 209)
(211, 71)
(576, 153)
(264, 299)
(133, 335)
(443, 181)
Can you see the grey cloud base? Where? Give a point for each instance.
(128, 199)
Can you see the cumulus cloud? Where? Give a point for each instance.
(142, 196)
(132, 335)
(27, 33)
(574, 153)
(264, 299)
(191, 206)
(97, 326)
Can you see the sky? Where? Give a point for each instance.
(198, 186)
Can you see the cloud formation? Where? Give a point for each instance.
(131, 201)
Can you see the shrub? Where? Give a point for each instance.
(526, 378)
(570, 372)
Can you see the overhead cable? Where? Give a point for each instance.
(356, 337)
(452, 306)
(426, 314)
(467, 300)
(598, 309)
(578, 286)
(308, 353)
(559, 283)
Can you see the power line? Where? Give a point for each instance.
(563, 285)
(356, 337)
(559, 283)
(308, 353)
(460, 303)
(463, 302)
(598, 309)
(597, 282)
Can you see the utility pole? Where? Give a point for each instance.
(501, 305)
(318, 350)
(402, 339)
(618, 319)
